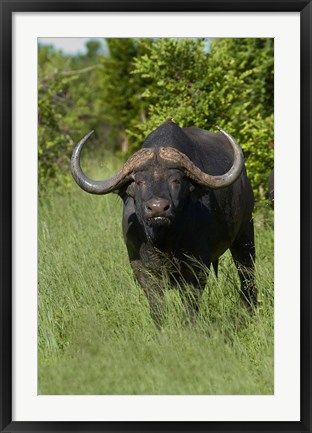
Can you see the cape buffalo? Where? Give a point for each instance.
(186, 196)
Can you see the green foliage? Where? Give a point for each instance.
(250, 115)
(172, 73)
(68, 107)
(254, 58)
(120, 89)
(256, 137)
(53, 144)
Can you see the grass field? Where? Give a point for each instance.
(95, 331)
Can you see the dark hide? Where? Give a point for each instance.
(191, 222)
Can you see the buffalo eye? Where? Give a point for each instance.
(176, 180)
(139, 180)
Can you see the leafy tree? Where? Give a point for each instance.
(53, 143)
(121, 90)
(251, 112)
(171, 72)
(230, 86)
(68, 107)
(257, 56)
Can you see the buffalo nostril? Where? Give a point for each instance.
(157, 207)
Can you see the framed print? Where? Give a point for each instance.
(180, 299)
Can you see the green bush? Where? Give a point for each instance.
(68, 107)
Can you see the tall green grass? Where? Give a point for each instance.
(96, 335)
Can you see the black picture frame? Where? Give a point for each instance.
(7, 8)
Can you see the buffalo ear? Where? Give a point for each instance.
(197, 191)
(194, 190)
(126, 191)
(130, 190)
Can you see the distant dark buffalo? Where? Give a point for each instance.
(271, 187)
(186, 197)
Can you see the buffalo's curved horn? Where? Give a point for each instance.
(202, 178)
(112, 183)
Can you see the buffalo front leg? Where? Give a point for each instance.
(153, 290)
(191, 297)
(243, 252)
(155, 298)
(191, 290)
